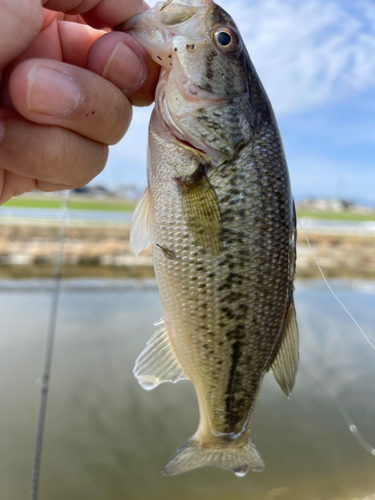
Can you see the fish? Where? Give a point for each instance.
(219, 213)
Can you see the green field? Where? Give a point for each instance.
(335, 215)
(74, 204)
(124, 206)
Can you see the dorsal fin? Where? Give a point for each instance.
(140, 232)
(157, 363)
(285, 364)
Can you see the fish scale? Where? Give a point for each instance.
(219, 213)
(264, 246)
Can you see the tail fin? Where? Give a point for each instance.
(192, 455)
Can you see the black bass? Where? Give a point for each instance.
(219, 213)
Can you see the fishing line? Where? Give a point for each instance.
(340, 406)
(49, 348)
(343, 411)
(352, 427)
(333, 293)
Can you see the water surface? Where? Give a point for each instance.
(107, 439)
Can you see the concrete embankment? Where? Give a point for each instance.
(29, 250)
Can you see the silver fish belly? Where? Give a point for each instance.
(219, 213)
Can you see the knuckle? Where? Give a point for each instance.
(53, 156)
(90, 161)
(99, 159)
(115, 114)
(71, 159)
(118, 118)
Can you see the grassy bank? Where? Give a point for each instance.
(74, 204)
(82, 271)
(118, 205)
(349, 216)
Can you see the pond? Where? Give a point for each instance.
(106, 438)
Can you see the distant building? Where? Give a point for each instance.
(129, 192)
(95, 191)
(332, 205)
(324, 205)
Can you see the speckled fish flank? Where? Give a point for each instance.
(219, 213)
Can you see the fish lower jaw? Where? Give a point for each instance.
(207, 154)
(186, 144)
(170, 126)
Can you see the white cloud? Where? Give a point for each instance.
(308, 52)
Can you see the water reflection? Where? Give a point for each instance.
(106, 438)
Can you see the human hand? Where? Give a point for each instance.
(67, 90)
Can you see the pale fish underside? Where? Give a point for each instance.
(219, 213)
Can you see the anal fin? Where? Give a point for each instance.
(157, 363)
(285, 364)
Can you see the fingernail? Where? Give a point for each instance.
(51, 92)
(124, 68)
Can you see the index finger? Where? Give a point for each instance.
(98, 13)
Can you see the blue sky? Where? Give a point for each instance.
(316, 59)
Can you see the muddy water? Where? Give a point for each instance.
(107, 439)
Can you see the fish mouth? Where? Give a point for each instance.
(158, 27)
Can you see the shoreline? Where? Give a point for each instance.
(103, 251)
(18, 272)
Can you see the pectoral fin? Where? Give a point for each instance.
(201, 210)
(285, 365)
(141, 223)
(157, 363)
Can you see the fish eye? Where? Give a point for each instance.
(226, 39)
